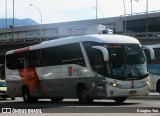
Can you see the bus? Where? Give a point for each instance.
(86, 67)
(154, 67)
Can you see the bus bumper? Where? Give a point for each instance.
(118, 92)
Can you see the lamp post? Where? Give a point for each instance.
(131, 6)
(125, 17)
(40, 17)
(99, 11)
(13, 24)
(147, 18)
(96, 8)
(6, 14)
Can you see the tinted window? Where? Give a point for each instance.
(148, 56)
(72, 54)
(10, 61)
(20, 60)
(95, 58)
(33, 59)
(59, 55)
(16, 61)
(51, 56)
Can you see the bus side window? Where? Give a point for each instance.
(21, 62)
(147, 55)
(11, 61)
(72, 54)
(33, 59)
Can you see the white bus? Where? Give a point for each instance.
(154, 67)
(85, 67)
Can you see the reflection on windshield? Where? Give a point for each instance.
(127, 61)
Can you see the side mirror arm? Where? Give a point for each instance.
(104, 51)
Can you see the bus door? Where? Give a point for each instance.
(98, 64)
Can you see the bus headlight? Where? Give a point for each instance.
(147, 83)
(113, 84)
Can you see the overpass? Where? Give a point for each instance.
(147, 30)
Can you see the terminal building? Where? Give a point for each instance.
(145, 27)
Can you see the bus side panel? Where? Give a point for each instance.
(14, 83)
(55, 81)
(62, 81)
(66, 88)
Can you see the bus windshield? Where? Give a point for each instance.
(127, 61)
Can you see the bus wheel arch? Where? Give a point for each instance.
(83, 94)
(158, 86)
(120, 99)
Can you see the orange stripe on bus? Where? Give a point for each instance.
(21, 50)
(30, 78)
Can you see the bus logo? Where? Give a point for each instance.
(70, 71)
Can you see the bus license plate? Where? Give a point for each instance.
(132, 92)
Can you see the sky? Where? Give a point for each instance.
(54, 11)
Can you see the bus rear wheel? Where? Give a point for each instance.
(12, 98)
(26, 96)
(84, 95)
(120, 99)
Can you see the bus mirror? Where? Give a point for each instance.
(104, 51)
(151, 52)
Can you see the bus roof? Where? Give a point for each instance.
(113, 39)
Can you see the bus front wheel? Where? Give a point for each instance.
(120, 99)
(12, 98)
(84, 95)
(158, 86)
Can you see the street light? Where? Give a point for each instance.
(99, 11)
(40, 16)
(125, 16)
(147, 18)
(96, 8)
(13, 24)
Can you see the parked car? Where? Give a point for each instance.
(3, 90)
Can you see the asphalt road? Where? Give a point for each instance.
(144, 104)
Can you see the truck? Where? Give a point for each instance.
(82, 29)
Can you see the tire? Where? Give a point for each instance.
(120, 99)
(26, 96)
(56, 99)
(158, 87)
(12, 98)
(83, 95)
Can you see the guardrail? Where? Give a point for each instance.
(140, 13)
(149, 35)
